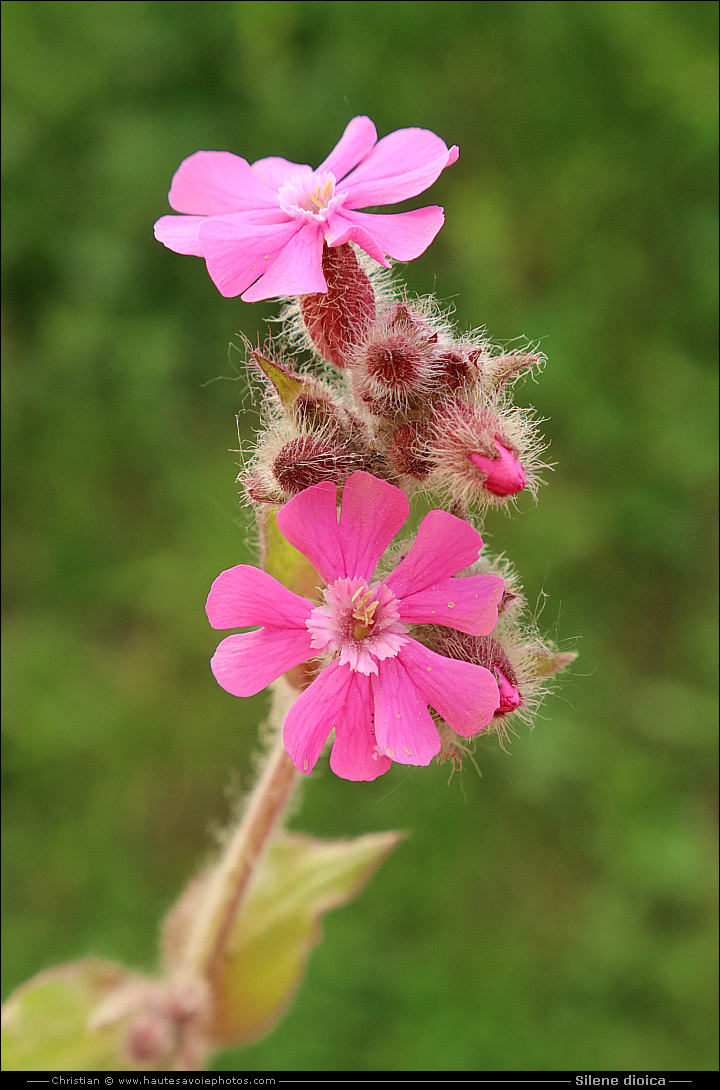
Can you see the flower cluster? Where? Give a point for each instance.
(395, 401)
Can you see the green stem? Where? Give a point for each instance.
(231, 877)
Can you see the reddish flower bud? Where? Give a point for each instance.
(310, 459)
(407, 450)
(338, 319)
(396, 370)
(456, 369)
(315, 413)
(482, 455)
(503, 474)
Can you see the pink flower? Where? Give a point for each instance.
(378, 681)
(261, 228)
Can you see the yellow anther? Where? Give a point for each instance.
(363, 613)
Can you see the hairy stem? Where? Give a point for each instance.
(231, 877)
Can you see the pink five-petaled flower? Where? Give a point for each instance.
(378, 681)
(261, 228)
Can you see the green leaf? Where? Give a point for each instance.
(287, 385)
(299, 879)
(285, 562)
(47, 1023)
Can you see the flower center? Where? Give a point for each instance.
(309, 196)
(363, 613)
(358, 622)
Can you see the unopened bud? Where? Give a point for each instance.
(504, 476)
(320, 414)
(479, 455)
(456, 369)
(396, 369)
(407, 450)
(339, 318)
(310, 459)
(509, 365)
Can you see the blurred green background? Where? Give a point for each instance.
(558, 912)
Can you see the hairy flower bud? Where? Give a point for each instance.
(480, 454)
(310, 459)
(407, 450)
(457, 369)
(395, 370)
(321, 414)
(337, 320)
(509, 365)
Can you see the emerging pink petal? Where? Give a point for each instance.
(358, 139)
(402, 235)
(372, 512)
(237, 253)
(212, 183)
(244, 595)
(510, 698)
(465, 695)
(469, 604)
(404, 727)
(505, 475)
(180, 234)
(443, 546)
(314, 714)
(244, 664)
(355, 755)
(296, 270)
(401, 165)
(309, 522)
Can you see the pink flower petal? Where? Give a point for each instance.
(401, 165)
(212, 183)
(355, 755)
(444, 545)
(404, 727)
(402, 235)
(296, 270)
(248, 661)
(469, 604)
(372, 512)
(465, 695)
(275, 171)
(338, 230)
(354, 144)
(309, 522)
(245, 595)
(180, 234)
(238, 253)
(314, 714)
